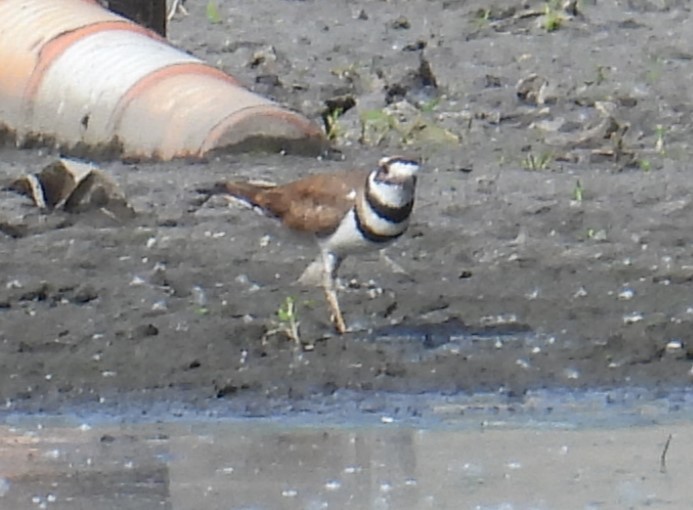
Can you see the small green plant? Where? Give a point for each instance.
(213, 15)
(660, 131)
(481, 18)
(483, 14)
(535, 163)
(596, 234)
(645, 165)
(286, 322)
(375, 126)
(578, 191)
(601, 74)
(553, 17)
(331, 120)
(380, 125)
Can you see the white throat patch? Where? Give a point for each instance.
(389, 194)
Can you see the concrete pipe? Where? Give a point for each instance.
(92, 83)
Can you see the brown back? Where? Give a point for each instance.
(315, 204)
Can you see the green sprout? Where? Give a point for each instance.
(213, 15)
(578, 192)
(379, 125)
(481, 18)
(483, 14)
(332, 123)
(287, 321)
(536, 163)
(596, 234)
(553, 19)
(660, 131)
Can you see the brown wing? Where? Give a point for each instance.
(315, 204)
(244, 190)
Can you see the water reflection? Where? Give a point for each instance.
(255, 465)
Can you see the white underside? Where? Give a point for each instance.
(347, 239)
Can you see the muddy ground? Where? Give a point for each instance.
(550, 245)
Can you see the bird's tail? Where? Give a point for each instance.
(246, 192)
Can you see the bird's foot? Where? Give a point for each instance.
(339, 323)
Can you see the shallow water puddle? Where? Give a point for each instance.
(261, 465)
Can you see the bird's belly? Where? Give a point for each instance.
(347, 239)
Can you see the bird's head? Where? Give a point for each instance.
(396, 169)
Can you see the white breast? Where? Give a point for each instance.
(347, 239)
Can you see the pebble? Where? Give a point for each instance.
(632, 318)
(333, 485)
(137, 280)
(626, 294)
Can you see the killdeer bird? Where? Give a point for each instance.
(347, 212)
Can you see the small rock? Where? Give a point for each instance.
(401, 23)
(532, 90)
(264, 56)
(84, 294)
(137, 281)
(674, 347)
(626, 294)
(632, 318)
(270, 80)
(491, 81)
(145, 330)
(160, 306)
(418, 45)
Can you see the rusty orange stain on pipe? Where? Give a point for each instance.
(58, 45)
